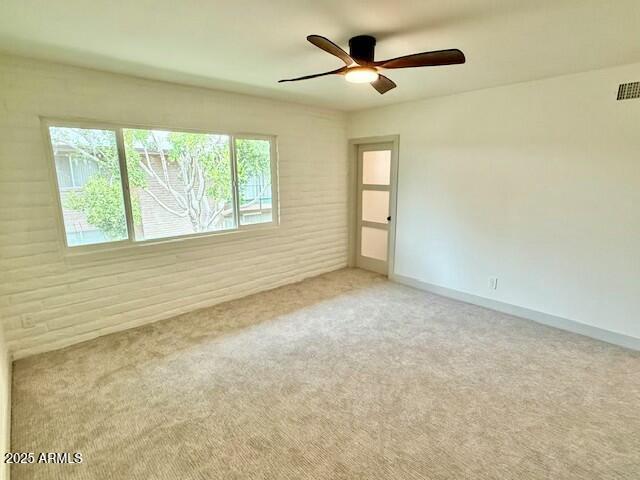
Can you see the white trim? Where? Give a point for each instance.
(534, 315)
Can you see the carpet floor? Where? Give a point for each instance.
(342, 376)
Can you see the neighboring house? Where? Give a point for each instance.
(72, 175)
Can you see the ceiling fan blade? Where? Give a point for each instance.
(425, 59)
(383, 84)
(306, 77)
(330, 47)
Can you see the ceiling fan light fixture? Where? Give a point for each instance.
(360, 65)
(361, 75)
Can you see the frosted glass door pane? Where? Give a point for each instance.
(376, 167)
(373, 243)
(375, 206)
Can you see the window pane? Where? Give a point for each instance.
(376, 167)
(180, 182)
(93, 204)
(253, 159)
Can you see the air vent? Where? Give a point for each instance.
(629, 90)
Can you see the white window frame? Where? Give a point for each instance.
(130, 241)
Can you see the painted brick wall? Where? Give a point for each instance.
(49, 299)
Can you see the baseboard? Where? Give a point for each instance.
(534, 315)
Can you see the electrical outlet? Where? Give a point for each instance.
(493, 283)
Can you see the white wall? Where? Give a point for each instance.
(49, 300)
(536, 183)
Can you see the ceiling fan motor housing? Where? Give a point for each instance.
(362, 48)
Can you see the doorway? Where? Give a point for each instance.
(375, 192)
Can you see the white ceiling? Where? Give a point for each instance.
(247, 45)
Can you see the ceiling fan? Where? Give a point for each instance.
(360, 66)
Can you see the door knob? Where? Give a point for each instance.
(388, 219)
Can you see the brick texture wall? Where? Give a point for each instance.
(49, 299)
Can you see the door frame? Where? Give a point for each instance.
(354, 145)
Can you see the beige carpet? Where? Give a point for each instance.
(344, 376)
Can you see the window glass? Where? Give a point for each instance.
(180, 183)
(82, 169)
(253, 158)
(90, 188)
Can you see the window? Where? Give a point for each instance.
(254, 180)
(181, 183)
(176, 183)
(92, 205)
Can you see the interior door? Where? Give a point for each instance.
(373, 202)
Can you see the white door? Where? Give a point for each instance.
(374, 200)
